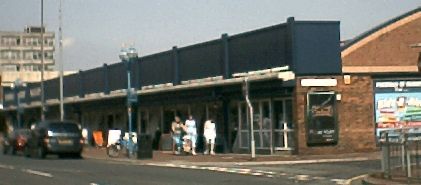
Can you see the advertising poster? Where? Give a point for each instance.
(397, 105)
(321, 118)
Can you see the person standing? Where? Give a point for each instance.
(210, 135)
(190, 125)
(176, 128)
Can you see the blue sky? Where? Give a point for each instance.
(94, 30)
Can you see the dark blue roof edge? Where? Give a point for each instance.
(377, 28)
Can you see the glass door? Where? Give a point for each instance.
(282, 128)
(262, 124)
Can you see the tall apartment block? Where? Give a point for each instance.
(20, 55)
(21, 51)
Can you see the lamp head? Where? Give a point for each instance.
(131, 53)
(123, 54)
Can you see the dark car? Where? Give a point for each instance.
(16, 141)
(55, 137)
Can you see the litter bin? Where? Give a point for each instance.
(144, 145)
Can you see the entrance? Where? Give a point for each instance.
(283, 127)
(272, 124)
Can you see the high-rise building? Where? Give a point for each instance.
(20, 55)
(21, 51)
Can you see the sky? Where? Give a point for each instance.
(95, 30)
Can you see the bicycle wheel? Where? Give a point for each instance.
(113, 151)
(132, 154)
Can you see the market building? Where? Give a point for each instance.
(306, 100)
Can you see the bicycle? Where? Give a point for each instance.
(115, 150)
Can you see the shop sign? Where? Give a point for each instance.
(319, 82)
(398, 85)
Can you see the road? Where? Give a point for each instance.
(21, 170)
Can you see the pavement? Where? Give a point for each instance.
(309, 169)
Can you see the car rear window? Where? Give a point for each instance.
(64, 127)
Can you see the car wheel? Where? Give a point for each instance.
(26, 152)
(13, 149)
(5, 150)
(40, 153)
(77, 155)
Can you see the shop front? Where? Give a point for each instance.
(272, 125)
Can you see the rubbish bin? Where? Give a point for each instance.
(144, 146)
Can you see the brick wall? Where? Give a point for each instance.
(389, 46)
(355, 116)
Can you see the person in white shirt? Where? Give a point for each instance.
(210, 135)
(190, 126)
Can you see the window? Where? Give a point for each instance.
(34, 41)
(36, 67)
(27, 67)
(18, 41)
(9, 67)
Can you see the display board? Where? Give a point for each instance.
(397, 104)
(322, 128)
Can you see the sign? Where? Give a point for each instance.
(319, 82)
(131, 96)
(321, 119)
(397, 105)
(113, 137)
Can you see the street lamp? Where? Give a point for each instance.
(126, 56)
(42, 63)
(16, 86)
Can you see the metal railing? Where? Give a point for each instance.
(401, 154)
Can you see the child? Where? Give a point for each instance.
(190, 125)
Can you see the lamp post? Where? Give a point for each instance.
(127, 55)
(61, 61)
(42, 62)
(16, 86)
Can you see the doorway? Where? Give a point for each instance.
(272, 125)
(283, 126)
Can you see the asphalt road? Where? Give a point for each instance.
(21, 170)
(322, 173)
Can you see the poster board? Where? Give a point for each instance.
(397, 105)
(321, 116)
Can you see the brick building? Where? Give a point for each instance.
(385, 60)
(379, 67)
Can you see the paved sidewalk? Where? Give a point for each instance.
(309, 168)
(236, 159)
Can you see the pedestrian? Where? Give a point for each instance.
(210, 135)
(190, 125)
(176, 128)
